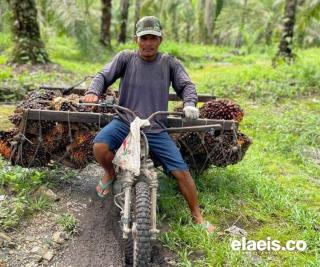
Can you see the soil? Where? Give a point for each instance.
(98, 242)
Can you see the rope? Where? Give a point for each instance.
(20, 138)
(69, 128)
(40, 140)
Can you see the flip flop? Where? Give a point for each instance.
(103, 187)
(206, 225)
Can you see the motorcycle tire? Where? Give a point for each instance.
(138, 246)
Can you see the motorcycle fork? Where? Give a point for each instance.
(154, 229)
(126, 212)
(148, 171)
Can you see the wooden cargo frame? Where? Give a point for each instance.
(175, 124)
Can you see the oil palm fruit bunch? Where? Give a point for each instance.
(56, 139)
(221, 110)
(80, 150)
(30, 153)
(38, 99)
(5, 143)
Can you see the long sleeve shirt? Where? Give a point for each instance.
(144, 85)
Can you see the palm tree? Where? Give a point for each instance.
(189, 17)
(285, 46)
(242, 24)
(105, 37)
(208, 17)
(309, 17)
(28, 44)
(137, 12)
(201, 27)
(124, 7)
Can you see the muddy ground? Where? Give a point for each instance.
(40, 241)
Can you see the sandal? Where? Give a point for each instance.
(103, 187)
(206, 225)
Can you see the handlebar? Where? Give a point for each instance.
(198, 128)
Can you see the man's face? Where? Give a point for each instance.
(148, 45)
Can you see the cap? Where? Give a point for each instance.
(148, 25)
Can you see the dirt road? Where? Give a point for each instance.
(98, 243)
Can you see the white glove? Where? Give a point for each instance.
(191, 112)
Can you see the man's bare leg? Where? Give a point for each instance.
(185, 182)
(188, 190)
(104, 156)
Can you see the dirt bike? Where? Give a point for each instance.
(136, 196)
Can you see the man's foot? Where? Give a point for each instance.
(104, 187)
(199, 220)
(210, 228)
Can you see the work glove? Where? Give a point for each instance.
(191, 112)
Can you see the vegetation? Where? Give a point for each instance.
(24, 191)
(28, 46)
(69, 223)
(274, 191)
(18, 186)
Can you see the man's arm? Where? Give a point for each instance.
(185, 89)
(106, 77)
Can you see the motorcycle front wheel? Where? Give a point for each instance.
(138, 247)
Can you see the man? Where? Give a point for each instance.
(146, 76)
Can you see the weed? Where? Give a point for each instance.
(69, 223)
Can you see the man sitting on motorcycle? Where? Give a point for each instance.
(145, 78)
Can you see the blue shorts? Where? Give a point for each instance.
(161, 145)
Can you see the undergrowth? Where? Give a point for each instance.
(273, 192)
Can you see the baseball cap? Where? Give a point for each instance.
(148, 25)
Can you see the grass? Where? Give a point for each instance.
(19, 187)
(274, 192)
(5, 123)
(69, 223)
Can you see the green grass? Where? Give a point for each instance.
(69, 223)
(20, 188)
(5, 111)
(274, 192)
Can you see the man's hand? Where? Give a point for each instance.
(90, 98)
(191, 112)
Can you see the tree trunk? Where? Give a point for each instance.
(219, 7)
(28, 44)
(124, 6)
(268, 33)
(242, 23)
(208, 14)
(136, 15)
(201, 27)
(174, 25)
(105, 37)
(285, 47)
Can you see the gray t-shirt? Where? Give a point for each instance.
(144, 86)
